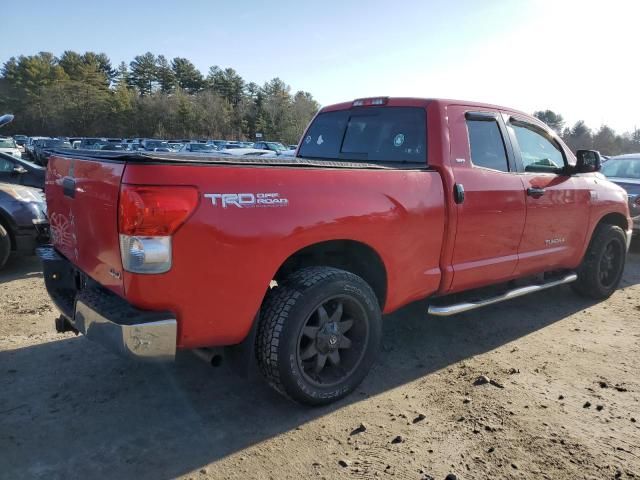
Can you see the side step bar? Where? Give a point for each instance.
(445, 311)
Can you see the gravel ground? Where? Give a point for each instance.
(563, 404)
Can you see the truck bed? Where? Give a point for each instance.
(199, 159)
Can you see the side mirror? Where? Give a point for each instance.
(19, 170)
(588, 161)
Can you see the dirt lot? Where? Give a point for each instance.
(568, 409)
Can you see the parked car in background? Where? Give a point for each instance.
(216, 143)
(152, 145)
(91, 143)
(624, 170)
(196, 147)
(113, 146)
(8, 145)
(42, 149)
(20, 139)
(30, 145)
(273, 146)
(20, 171)
(23, 220)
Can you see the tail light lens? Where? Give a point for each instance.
(148, 217)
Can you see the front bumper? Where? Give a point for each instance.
(29, 237)
(103, 316)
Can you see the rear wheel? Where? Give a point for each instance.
(318, 335)
(5, 247)
(601, 270)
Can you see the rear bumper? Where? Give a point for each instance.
(105, 317)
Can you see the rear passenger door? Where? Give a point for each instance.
(491, 216)
(558, 203)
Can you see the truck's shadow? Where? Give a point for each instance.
(20, 266)
(68, 409)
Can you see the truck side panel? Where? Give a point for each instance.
(227, 253)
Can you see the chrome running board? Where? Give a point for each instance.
(445, 311)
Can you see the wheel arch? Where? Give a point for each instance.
(350, 255)
(614, 218)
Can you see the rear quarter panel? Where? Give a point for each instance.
(225, 258)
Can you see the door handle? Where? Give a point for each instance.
(458, 193)
(69, 187)
(535, 192)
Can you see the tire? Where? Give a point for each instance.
(325, 310)
(601, 270)
(5, 247)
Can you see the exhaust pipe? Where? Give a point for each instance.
(212, 356)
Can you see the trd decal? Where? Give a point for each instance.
(246, 200)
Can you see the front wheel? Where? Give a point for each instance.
(319, 334)
(601, 270)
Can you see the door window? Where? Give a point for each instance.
(487, 145)
(539, 153)
(6, 165)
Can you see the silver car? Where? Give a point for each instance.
(624, 170)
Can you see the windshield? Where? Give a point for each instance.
(7, 143)
(622, 168)
(149, 144)
(202, 147)
(372, 134)
(56, 144)
(278, 147)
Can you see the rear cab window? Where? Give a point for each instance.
(388, 135)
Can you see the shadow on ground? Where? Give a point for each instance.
(69, 409)
(19, 266)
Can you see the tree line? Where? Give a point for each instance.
(85, 95)
(580, 136)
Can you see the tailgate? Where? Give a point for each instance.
(82, 199)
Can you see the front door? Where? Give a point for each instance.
(557, 203)
(491, 215)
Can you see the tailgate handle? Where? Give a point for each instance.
(69, 187)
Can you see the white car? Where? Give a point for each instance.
(8, 145)
(238, 152)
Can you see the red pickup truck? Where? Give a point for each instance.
(289, 262)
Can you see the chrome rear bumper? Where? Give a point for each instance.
(154, 341)
(103, 316)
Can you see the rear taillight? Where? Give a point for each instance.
(147, 218)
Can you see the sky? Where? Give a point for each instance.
(578, 58)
